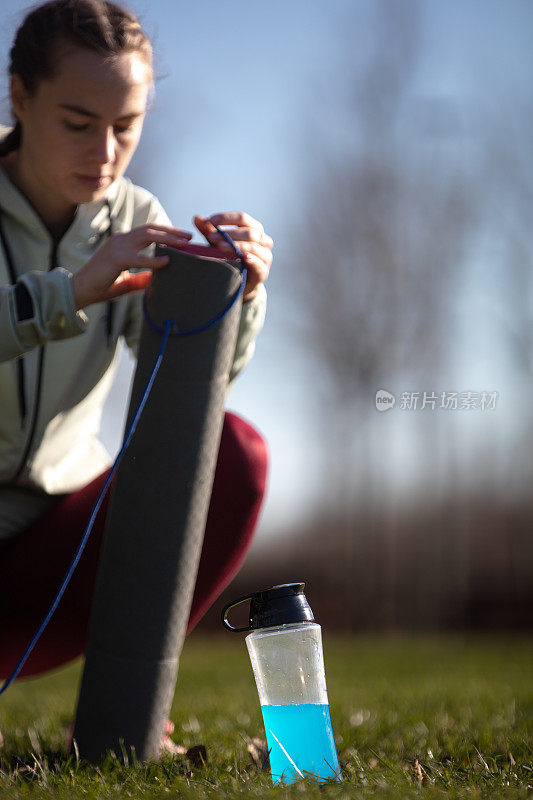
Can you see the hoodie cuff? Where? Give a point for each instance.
(54, 314)
(252, 320)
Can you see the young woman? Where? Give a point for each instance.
(71, 229)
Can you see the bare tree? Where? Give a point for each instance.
(385, 231)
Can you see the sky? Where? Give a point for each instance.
(238, 85)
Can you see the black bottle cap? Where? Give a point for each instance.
(280, 605)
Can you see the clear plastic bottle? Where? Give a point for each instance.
(285, 648)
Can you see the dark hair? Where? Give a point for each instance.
(97, 25)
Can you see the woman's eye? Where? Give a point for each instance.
(119, 131)
(72, 127)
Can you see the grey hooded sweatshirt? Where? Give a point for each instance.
(57, 363)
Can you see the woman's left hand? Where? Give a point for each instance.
(250, 237)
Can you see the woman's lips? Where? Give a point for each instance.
(94, 182)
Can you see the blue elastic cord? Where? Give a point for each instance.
(68, 576)
(175, 329)
(170, 327)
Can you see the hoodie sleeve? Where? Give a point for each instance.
(252, 314)
(38, 308)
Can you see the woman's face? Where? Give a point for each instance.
(81, 128)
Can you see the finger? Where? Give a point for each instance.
(251, 288)
(153, 226)
(257, 268)
(250, 294)
(148, 262)
(143, 239)
(239, 218)
(263, 254)
(251, 235)
(241, 235)
(202, 223)
(205, 227)
(214, 238)
(128, 282)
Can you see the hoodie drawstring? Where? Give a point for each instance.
(25, 310)
(110, 305)
(22, 310)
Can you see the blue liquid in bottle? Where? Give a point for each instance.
(301, 743)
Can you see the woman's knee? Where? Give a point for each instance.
(244, 452)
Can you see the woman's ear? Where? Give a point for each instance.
(19, 96)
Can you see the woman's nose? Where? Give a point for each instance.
(104, 147)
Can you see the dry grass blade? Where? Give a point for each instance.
(34, 740)
(417, 771)
(482, 761)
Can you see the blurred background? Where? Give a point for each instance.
(386, 147)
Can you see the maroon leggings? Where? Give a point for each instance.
(33, 563)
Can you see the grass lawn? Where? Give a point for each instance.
(423, 717)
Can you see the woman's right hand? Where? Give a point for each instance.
(107, 275)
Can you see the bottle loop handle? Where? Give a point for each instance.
(227, 609)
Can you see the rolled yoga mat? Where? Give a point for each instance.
(158, 512)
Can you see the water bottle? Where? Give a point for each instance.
(285, 647)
